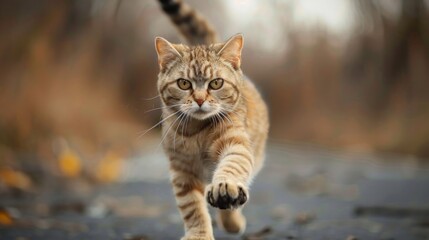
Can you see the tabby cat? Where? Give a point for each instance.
(215, 123)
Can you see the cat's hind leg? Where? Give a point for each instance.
(231, 220)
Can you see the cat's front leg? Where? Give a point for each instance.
(189, 193)
(228, 190)
(223, 193)
(228, 196)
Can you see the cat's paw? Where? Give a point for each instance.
(226, 194)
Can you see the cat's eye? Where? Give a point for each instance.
(184, 84)
(216, 84)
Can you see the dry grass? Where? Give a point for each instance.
(66, 75)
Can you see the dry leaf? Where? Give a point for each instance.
(5, 218)
(109, 168)
(70, 163)
(15, 179)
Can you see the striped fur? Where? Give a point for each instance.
(189, 22)
(215, 149)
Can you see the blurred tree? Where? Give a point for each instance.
(391, 44)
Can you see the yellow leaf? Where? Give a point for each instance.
(70, 164)
(15, 179)
(5, 218)
(109, 168)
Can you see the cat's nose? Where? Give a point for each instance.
(199, 101)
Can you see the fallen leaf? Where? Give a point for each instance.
(69, 163)
(15, 179)
(109, 168)
(5, 218)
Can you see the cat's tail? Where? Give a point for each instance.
(190, 23)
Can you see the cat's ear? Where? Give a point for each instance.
(166, 52)
(231, 50)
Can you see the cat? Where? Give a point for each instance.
(215, 123)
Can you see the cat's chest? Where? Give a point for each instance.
(197, 147)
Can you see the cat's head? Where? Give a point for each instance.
(200, 81)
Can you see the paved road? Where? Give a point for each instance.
(302, 193)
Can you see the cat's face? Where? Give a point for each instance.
(201, 81)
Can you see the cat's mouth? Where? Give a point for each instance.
(201, 114)
(200, 111)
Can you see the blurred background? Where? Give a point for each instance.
(349, 75)
(78, 81)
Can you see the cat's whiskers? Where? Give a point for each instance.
(166, 132)
(164, 107)
(154, 126)
(230, 111)
(221, 122)
(223, 114)
(184, 127)
(175, 131)
(152, 98)
(214, 120)
(182, 117)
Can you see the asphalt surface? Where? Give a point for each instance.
(302, 193)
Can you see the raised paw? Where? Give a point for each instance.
(226, 195)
